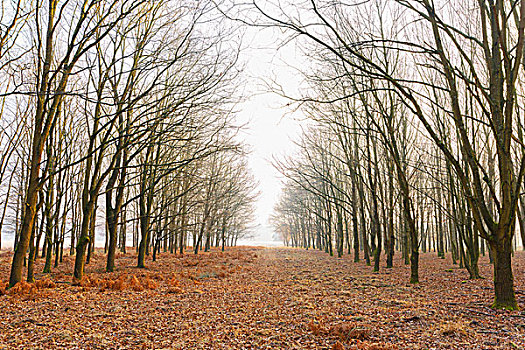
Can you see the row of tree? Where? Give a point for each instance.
(120, 109)
(416, 134)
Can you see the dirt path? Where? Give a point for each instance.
(262, 299)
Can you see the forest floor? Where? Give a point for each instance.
(257, 298)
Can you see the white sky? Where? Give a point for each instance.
(271, 127)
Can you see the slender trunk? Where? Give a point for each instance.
(391, 239)
(40, 134)
(49, 253)
(145, 210)
(123, 229)
(340, 239)
(182, 233)
(40, 230)
(7, 196)
(223, 232)
(31, 260)
(356, 237)
(47, 213)
(156, 247)
(113, 212)
(145, 232)
(83, 240)
(111, 233)
(521, 221)
(364, 238)
(91, 242)
(28, 218)
(73, 229)
(439, 214)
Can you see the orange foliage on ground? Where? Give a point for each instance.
(255, 298)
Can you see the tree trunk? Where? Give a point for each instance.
(113, 212)
(28, 219)
(83, 240)
(521, 221)
(31, 260)
(356, 237)
(505, 297)
(40, 134)
(91, 242)
(414, 265)
(389, 231)
(142, 250)
(112, 235)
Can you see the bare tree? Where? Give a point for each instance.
(477, 61)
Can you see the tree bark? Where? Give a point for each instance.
(505, 297)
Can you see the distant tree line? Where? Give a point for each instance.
(119, 114)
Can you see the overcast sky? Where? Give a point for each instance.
(270, 126)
